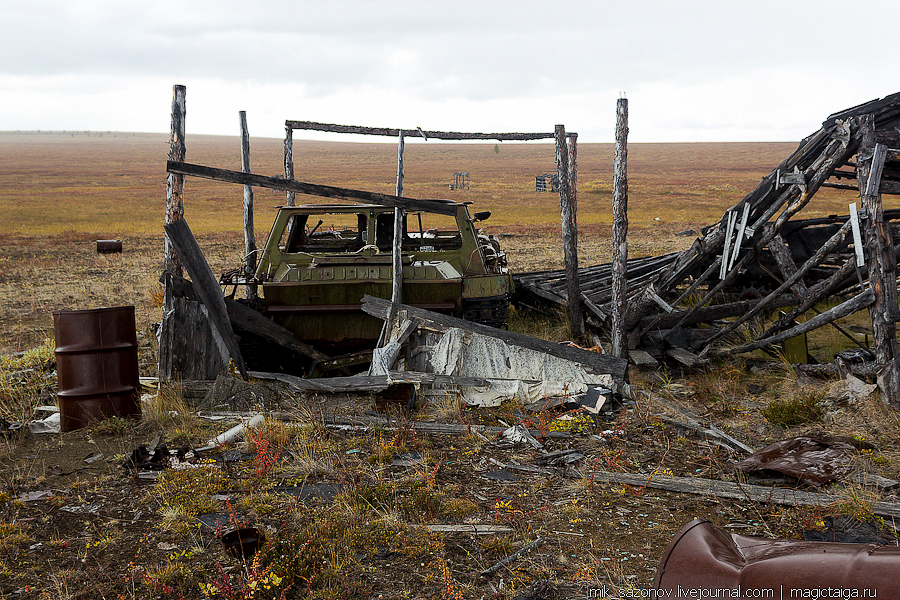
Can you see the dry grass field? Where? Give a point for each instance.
(60, 192)
(344, 510)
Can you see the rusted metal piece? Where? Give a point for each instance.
(96, 362)
(816, 459)
(705, 562)
(109, 246)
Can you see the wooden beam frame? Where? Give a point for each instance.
(418, 132)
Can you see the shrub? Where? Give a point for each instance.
(803, 408)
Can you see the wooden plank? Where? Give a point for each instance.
(473, 528)
(726, 249)
(857, 236)
(249, 233)
(685, 419)
(396, 250)
(246, 318)
(598, 363)
(687, 358)
(444, 207)
(620, 232)
(728, 489)
(568, 209)
(192, 352)
(206, 285)
(418, 132)
(641, 358)
(332, 385)
(742, 230)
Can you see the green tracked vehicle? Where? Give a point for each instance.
(320, 260)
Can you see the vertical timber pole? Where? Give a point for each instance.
(620, 232)
(174, 188)
(174, 212)
(396, 250)
(881, 264)
(397, 269)
(289, 161)
(570, 234)
(249, 233)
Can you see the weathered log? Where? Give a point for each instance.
(249, 233)
(620, 232)
(444, 207)
(880, 263)
(249, 320)
(175, 181)
(289, 163)
(438, 135)
(568, 209)
(727, 489)
(786, 263)
(206, 285)
(858, 302)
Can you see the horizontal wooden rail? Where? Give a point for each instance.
(438, 135)
(444, 207)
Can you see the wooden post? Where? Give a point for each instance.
(397, 269)
(401, 147)
(570, 234)
(249, 234)
(289, 161)
(880, 263)
(620, 231)
(175, 183)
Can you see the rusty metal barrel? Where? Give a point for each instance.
(109, 246)
(703, 561)
(96, 365)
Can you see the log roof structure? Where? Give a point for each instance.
(762, 242)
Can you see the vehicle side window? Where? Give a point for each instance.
(335, 232)
(431, 232)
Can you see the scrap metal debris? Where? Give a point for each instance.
(815, 459)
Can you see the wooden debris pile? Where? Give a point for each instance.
(761, 257)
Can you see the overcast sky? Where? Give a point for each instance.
(692, 70)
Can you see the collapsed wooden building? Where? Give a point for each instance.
(761, 243)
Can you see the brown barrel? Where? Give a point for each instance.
(96, 365)
(703, 561)
(109, 246)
